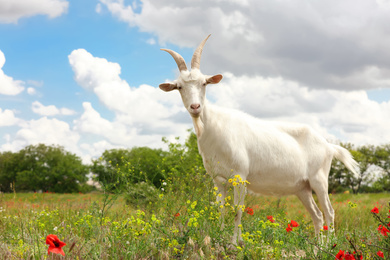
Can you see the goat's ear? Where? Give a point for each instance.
(167, 87)
(214, 79)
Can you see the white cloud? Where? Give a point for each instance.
(31, 91)
(46, 131)
(151, 41)
(13, 10)
(7, 118)
(8, 86)
(137, 106)
(334, 44)
(98, 8)
(349, 116)
(50, 110)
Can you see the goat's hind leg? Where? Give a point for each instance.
(306, 197)
(320, 187)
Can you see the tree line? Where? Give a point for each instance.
(51, 168)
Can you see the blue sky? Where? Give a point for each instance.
(85, 74)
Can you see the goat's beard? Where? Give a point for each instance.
(198, 124)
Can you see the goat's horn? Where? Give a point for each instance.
(181, 64)
(195, 62)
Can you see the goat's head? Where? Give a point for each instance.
(191, 84)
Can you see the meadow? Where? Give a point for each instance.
(183, 222)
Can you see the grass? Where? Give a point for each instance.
(183, 222)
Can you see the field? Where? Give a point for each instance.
(103, 226)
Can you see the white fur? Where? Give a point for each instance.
(275, 158)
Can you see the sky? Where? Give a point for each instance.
(84, 74)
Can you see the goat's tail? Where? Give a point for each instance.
(345, 157)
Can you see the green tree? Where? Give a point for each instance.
(49, 168)
(382, 160)
(143, 164)
(364, 155)
(8, 165)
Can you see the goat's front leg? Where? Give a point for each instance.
(239, 198)
(220, 183)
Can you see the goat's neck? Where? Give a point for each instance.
(199, 122)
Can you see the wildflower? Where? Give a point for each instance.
(334, 246)
(325, 227)
(340, 254)
(294, 224)
(288, 229)
(271, 219)
(177, 214)
(55, 245)
(164, 183)
(249, 211)
(230, 180)
(380, 254)
(349, 256)
(375, 210)
(383, 230)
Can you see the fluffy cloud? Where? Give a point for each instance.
(50, 110)
(332, 44)
(12, 10)
(44, 130)
(144, 107)
(7, 118)
(8, 86)
(349, 116)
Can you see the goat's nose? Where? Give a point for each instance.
(195, 106)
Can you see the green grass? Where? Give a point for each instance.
(96, 228)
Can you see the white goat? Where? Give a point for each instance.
(275, 158)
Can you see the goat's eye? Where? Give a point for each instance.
(204, 84)
(178, 88)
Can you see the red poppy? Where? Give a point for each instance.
(375, 210)
(383, 230)
(177, 214)
(288, 229)
(249, 211)
(380, 254)
(340, 254)
(55, 245)
(325, 227)
(334, 246)
(294, 224)
(349, 256)
(271, 219)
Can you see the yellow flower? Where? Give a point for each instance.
(219, 195)
(215, 188)
(230, 180)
